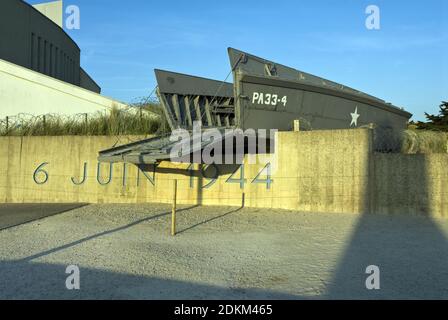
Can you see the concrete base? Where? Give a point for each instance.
(317, 171)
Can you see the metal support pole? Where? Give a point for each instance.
(173, 212)
(296, 125)
(45, 124)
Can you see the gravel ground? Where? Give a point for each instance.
(126, 252)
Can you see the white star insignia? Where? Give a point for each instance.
(355, 117)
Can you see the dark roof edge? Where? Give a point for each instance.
(62, 29)
(88, 75)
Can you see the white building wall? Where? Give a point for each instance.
(25, 91)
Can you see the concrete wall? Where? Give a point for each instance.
(26, 91)
(318, 171)
(416, 184)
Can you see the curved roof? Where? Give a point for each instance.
(55, 24)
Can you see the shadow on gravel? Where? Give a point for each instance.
(101, 234)
(130, 225)
(211, 219)
(407, 245)
(13, 215)
(411, 252)
(24, 280)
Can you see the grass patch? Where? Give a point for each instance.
(424, 141)
(138, 119)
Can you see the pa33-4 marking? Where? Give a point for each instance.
(268, 99)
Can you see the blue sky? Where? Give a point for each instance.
(405, 62)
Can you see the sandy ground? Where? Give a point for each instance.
(126, 252)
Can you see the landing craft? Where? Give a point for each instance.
(263, 95)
